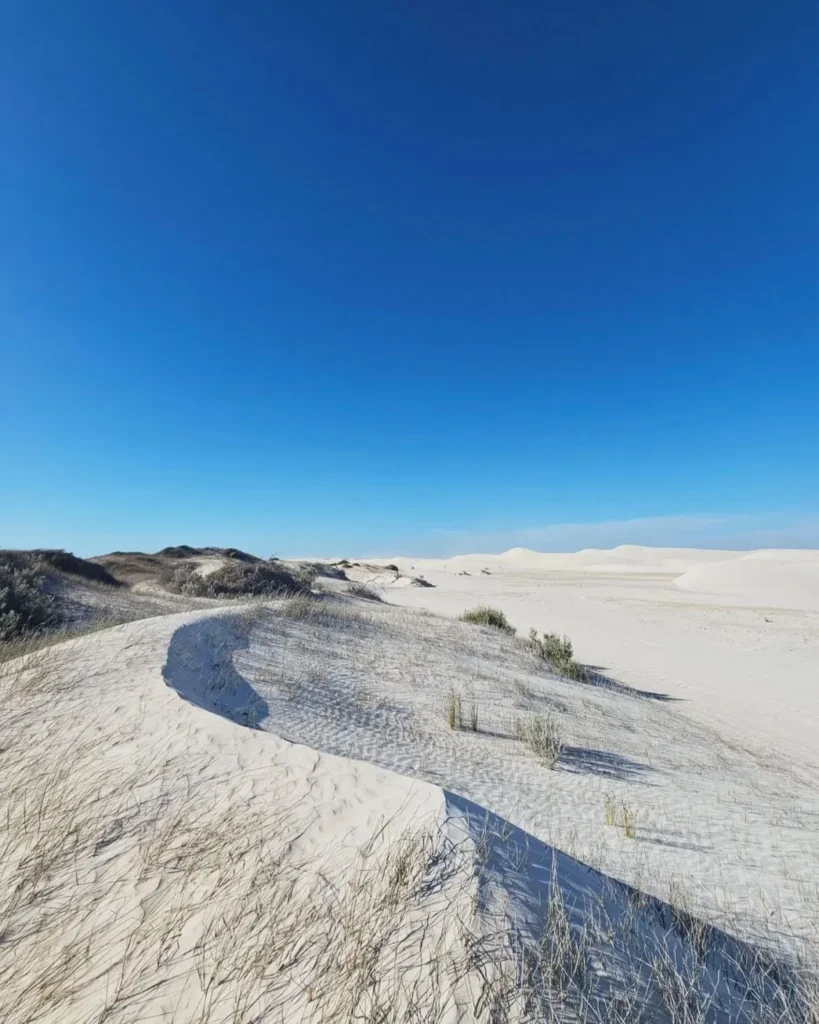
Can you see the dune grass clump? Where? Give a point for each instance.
(363, 591)
(454, 711)
(628, 822)
(620, 816)
(483, 615)
(541, 733)
(558, 652)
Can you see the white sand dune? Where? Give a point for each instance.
(761, 579)
(262, 813)
(376, 688)
(624, 559)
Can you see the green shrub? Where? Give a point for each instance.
(483, 615)
(557, 651)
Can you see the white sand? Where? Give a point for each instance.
(734, 635)
(162, 861)
(208, 566)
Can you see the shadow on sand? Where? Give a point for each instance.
(200, 668)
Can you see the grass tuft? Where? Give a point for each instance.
(454, 710)
(541, 733)
(483, 615)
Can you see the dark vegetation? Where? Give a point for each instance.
(24, 604)
(186, 551)
(64, 562)
(29, 588)
(237, 579)
(132, 567)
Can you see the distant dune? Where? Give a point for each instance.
(776, 579)
(626, 558)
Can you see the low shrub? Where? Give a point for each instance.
(483, 615)
(242, 579)
(257, 579)
(557, 651)
(25, 606)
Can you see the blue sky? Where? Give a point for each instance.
(423, 277)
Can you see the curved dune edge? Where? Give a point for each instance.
(181, 866)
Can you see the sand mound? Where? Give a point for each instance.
(761, 579)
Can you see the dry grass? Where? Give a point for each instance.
(400, 937)
(364, 592)
(541, 733)
(454, 711)
(32, 642)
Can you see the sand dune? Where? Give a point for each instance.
(263, 813)
(761, 579)
(738, 651)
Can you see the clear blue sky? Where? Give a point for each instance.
(416, 276)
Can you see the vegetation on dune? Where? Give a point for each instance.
(558, 652)
(483, 615)
(28, 584)
(237, 579)
(186, 551)
(541, 733)
(24, 604)
(365, 592)
(65, 563)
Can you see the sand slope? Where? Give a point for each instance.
(164, 860)
(735, 639)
